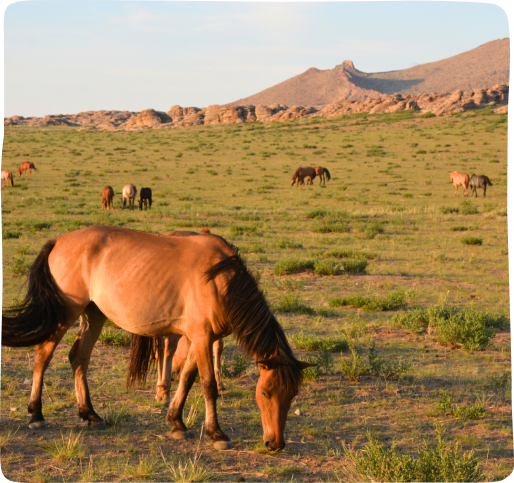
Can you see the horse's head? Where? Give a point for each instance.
(140, 204)
(274, 398)
(293, 179)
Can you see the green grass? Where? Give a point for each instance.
(115, 337)
(408, 243)
(471, 240)
(394, 300)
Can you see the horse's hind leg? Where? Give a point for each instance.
(91, 323)
(187, 378)
(43, 354)
(218, 349)
(167, 350)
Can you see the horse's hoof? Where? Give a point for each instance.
(181, 434)
(38, 425)
(98, 426)
(222, 445)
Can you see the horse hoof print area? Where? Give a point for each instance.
(181, 435)
(222, 445)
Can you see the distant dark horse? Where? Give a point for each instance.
(479, 182)
(145, 196)
(322, 172)
(301, 173)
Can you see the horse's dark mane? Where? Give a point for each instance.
(256, 329)
(297, 172)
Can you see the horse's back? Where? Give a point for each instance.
(129, 191)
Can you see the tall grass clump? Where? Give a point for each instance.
(115, 337)
(435, 462)
(293, 265)
(468, 328)
(312, 343)
(394, 300)
(448, 210)
(292, 304)
(467, 208)
(471, 240)
(332, 226)
(68, 447)
(189, 470)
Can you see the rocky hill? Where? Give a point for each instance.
(479, 68)
(177, 116)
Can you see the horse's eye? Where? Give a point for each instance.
(265, 395)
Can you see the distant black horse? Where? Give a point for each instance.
(479, 182)
(145, 195)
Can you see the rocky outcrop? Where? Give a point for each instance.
(439, 104)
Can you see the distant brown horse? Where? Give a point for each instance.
(322, 172)
(7, 177)
(301, 173)
(459, 179)
(208, 295)
(129, 193)
(26, 165)
(107, 198)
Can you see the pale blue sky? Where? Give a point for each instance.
(69, 56)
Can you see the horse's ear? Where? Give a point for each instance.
(304, 365)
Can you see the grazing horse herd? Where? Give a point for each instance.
(178, 318)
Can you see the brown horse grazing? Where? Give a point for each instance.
(7, 177)
(301, 173)
(26, 165)
(107, 198)
(145, 196)
(208, 295)
(171, 351)
(459, 179)
(129, 193)
(321, 172)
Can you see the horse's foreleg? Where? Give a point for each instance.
(43, 354)
(187, 378)
(91, 323)
(218, 349)
(203, 354)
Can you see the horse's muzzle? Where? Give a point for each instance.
(271, 447)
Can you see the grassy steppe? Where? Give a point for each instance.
(342, 265)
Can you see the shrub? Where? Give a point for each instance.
(441, 462)
(350, 254)
(20, 266)
(372, 230)
(467, 208)
(8, 234)
(317, 214)
(386, 369)
(293, 265)
(327, 267)
(428, 114)
(325, 361)
(471, 240)
(459, 228)
(354, 266)
(444, 406)
(355, 368)
(468, 328)
(239, 365)
(312, 343)
(291, 303)
(392, 301)
(311, 373)
(446, 210)
(332, 226)
(289, 244)
(115, 337)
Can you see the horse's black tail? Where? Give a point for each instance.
(142, 357)
(42, 311)
(327, 174)
(488, 181)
